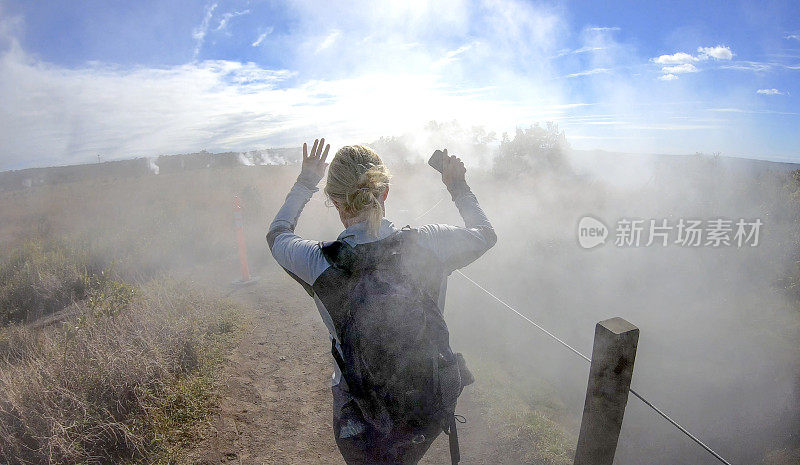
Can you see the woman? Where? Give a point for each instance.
(358, 186)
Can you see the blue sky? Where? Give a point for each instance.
(145, 78)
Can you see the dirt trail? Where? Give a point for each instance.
(276, 400)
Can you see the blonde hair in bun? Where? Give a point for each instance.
(357, 178)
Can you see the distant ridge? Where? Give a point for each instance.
(31, 177)
(144, 166)
(727, 161)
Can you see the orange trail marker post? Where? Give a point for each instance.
(238, 221)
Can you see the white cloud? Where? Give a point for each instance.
(143, 111)
(328, 40)
(589, 72)
(719, 52)
(674, 59)
(749, 66)
(584, 49)
(769, 92)
(199, 32)
(604, 29)
(263, 36)
(223, 22)
(380, 56)
(219, 106)
(762, 112)
(588, 49)
(10, 27)
(682, 63)
(680, 69)
(792, 36)
(453, 55)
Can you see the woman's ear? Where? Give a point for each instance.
(385, 194)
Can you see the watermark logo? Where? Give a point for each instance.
(718, 232)
(591, 232)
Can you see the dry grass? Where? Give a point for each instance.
(41, 276)
(125, 374)
(127, 378)
(526, 425)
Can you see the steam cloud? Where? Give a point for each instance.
(152, 166)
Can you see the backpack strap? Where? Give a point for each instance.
(353, 387)
(455, 451)
(307, 287)
(339, 254)
(346, 257)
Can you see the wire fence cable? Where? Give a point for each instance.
(429, 210)
(579, 354)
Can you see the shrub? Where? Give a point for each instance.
(533, 150)
(42, 276)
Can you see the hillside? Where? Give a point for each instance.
(81, 229)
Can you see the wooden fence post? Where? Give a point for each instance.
(607, 393)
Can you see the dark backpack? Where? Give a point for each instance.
(395, 351)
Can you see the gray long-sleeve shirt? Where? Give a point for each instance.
(455, 246)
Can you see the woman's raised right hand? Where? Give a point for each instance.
(313, 169)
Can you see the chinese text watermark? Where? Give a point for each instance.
(718, 232)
